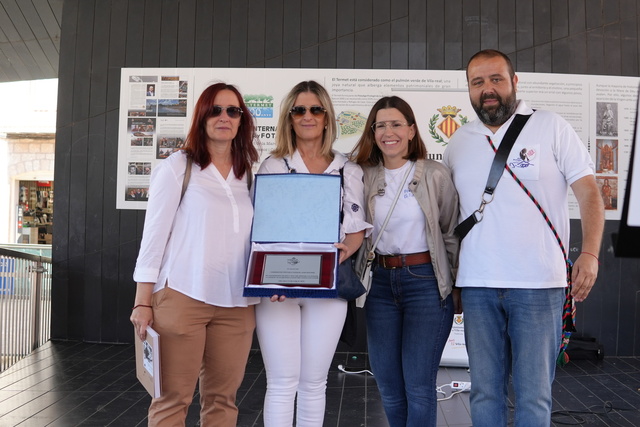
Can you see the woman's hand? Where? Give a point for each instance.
(344, 252)
(141, 317)
(349, 245)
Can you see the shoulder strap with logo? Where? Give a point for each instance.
(497, 167)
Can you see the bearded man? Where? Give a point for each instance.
(512, 271)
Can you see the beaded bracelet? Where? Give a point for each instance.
(140, 305)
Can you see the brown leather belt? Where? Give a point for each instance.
(399, 261)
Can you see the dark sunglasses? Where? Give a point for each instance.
(232, 112)
(301, 110)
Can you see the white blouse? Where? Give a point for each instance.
(199, 246)
(353, 189)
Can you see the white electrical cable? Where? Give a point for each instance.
(343, 369)
(457, 387)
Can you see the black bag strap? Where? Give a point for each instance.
(497, 168)
(289, 168)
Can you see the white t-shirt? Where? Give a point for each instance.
(406, 231)
(353, 187)
(513, 247)
(205, 256)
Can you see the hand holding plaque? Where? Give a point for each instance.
(296, 221)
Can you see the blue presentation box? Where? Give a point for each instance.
(296, 222)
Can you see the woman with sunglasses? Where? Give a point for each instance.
(193, 259)
(298, 336)
(409, 307)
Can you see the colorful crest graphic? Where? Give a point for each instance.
(442, 132)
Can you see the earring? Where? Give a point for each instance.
(325, 126)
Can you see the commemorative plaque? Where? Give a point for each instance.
(296, 222)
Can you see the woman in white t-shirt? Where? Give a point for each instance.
(298, 336)
(193, 259)
(410, 306)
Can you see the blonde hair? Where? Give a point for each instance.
(285, 135)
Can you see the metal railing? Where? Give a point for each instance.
(25, 304)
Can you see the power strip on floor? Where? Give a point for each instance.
(460, 385)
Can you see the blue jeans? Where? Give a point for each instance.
(517, 331)
(407, 327)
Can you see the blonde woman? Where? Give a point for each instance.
(298, 336)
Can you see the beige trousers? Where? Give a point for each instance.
(199, 340)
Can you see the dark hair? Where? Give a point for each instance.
(492, 53)
(367, 153)
(243, 150)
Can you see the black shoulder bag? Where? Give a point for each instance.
(349, 285)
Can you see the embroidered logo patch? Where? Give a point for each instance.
(355, 207)
(524, 159)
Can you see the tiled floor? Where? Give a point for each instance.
(79, 384)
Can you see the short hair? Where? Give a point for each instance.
(367, 153)
(492, 53)
(243, 150)
(285, 135)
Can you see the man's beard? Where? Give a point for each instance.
(496, 116)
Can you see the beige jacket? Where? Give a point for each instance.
(433, 188)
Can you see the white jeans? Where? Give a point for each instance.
(298, 338)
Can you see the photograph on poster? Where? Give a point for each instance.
(151, 107)
(183, 89)
(172, 108)
(142, 125)
(168, 144)
(608, 186)
(607, 156)
(142, 78)
(139, 168)
(137, 194)
(607, 118)
(137, 113)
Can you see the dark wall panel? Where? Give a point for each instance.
(222, 33)
(238, 37)
(345, 52)
(309, 56)
(203, 26)
(417, 35)
(559, 11)
(399, 43)
(489, 34)
(256, 40)
(524, 25)
(186, 32)
(95, 245)
(345, 20)
(435, 28)
(453, 33)
(629, 45)
(327, 20)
